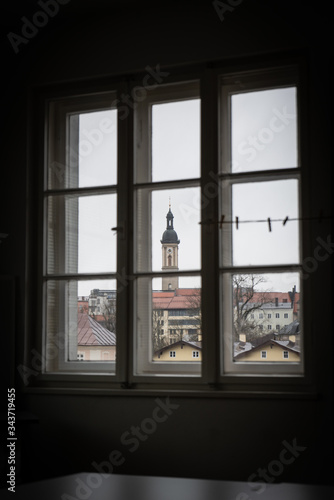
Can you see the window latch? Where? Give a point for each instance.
(121, 230)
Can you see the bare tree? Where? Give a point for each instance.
(195, 312)
(109, 315)
(159, 339)
(246, 300)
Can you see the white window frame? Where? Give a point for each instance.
(237, 376)
(263, 354)
(58, 113)
(144, 368)
(229, 85)
(285, 354)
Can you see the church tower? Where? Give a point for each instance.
(170, 253)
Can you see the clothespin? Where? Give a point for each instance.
(269, 224)
(237, 222)
(221, 221)
(285, 220)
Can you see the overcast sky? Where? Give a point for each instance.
(263, 137)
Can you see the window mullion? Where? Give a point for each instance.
(124, 243)
(209, 230)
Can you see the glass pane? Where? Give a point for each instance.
(171, 242)
(91, 152)
(98, 148)
(81, 321)
(264, 324)
(176, 140)
(80, 239)
(264, 130)
(169, 326)
(253, 242)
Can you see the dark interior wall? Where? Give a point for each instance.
(218, 438)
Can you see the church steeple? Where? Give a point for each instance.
(170, 250)
(170, 217)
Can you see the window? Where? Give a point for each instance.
(80, 200)
(198, 190)
(167, 247)
(285, 354)
(278, 327)
(260, 180)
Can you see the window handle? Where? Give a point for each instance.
(120, 229)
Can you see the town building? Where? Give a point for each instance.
(180, 351)
(267, 351)
(95, 343)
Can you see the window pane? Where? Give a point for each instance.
(88, 155)
(98, 148)
(264, 316)
(253, 243)
(81, 321)
(176, 140)
(168, 229)
(80, 239)
(169, 327)
(264, 130)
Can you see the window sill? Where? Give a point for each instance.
(288, 388)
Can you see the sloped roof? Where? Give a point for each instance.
(197, 345)
(181, 298)
(90, 332)
(269, 299)
(290, 329)
(284, 344)
(287, 344)
(241, 347)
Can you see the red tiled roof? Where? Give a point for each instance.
(176, 299)
(163, 294)
(272, 295)
(259, 297)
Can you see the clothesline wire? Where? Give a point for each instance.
(268, 220)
